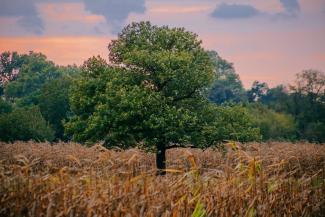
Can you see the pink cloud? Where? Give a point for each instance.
(69, 12)
(179, 9)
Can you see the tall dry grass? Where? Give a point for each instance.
(276, 179)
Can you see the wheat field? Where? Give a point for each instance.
(67, 179)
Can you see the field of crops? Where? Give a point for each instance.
(275, 179)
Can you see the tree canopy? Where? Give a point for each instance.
(304, 101)
(154, 92)
(32, 80)
(24, 124)
(227, 87)
(161, 89)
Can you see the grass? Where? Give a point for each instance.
(274, 179)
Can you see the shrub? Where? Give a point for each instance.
(24, 124)
(273, 125)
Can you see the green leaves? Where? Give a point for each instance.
(54, 103)
(273, 125)
(165, 56)
(34, 71)
(24, 124)
(32, 80)
(153, 93)
(199, 210)
(148, 95)
(228, 87)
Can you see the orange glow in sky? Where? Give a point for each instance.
(269, 41)
(62, 50)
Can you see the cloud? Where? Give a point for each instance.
(176, 9)
(238, 11)
(115, 11)
(291, 9)
(291, 6)
(25, 11)
(234, 11)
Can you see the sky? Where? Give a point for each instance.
(266, 40)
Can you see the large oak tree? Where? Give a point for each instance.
(152, 93)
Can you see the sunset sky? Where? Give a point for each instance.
(267, 40)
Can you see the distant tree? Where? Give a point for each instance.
(70, 71)
(35, 71)
(308, 104)
(257, 91)
(273, 125)
(314, 131)
(227, 87)
(9, 67)
(229, 123)
(154, 94)
(277, 98)
(54, 103)
(310, 83)
(24, 124)
(5, 107)
(38, 81)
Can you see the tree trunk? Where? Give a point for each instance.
(161, 159)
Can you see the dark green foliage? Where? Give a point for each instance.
(24, 124)
(235, 123)
(277, 98)
(227, 88)
(121, 107)
(39, 82)
(35, 71)
(273, 125)
(305, 102)
(314, 131)
(54, 103)
(258, 90)
(308, 104)
(5, 107)
(154, 95)
(229, 123)
(171, 59)
(9, 65)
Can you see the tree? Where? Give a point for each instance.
(31, 79)
(34, 71)
(308, 104)
(5, 107)
(310, 83)
(9, 67)
(40, 82)
(153, 94)
(229, 123)
(227, 87)
(277, 98)
(258, 90)
(54, 103)
(273, 125)
(24, 124)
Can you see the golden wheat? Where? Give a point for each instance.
(274, 179)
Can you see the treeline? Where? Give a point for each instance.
(34, 100)
(146, 93)
(292, 112)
